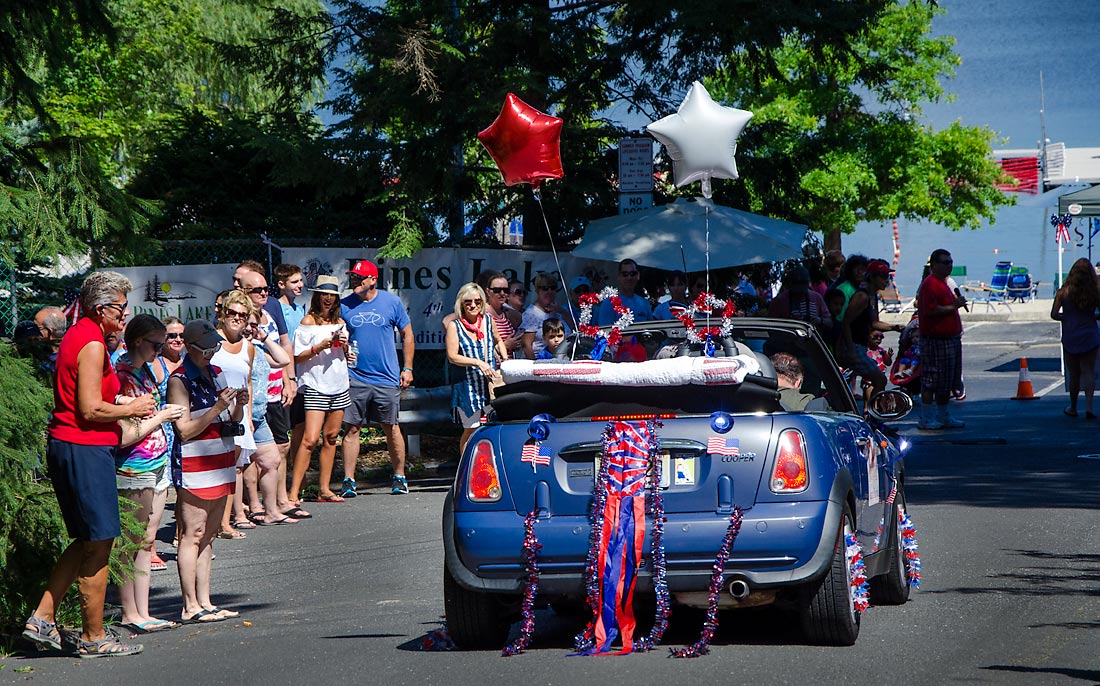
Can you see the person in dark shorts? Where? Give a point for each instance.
(376, 377)
(80, 455)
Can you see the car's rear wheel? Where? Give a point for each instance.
(892, 588)
(475, 621)
(828, 614)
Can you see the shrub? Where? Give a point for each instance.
(32, 534)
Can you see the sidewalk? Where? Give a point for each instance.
(1032, 311)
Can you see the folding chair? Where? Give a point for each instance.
(889, 298)
(996, 291)
(1020, 286)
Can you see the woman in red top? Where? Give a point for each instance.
(83, 433)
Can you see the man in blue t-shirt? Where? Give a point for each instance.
(376, 377)
(628, 281)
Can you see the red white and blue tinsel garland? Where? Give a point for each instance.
(702, 646)
(584, 320)
(438, 639)
(909, 545)
(531, 548)
(860, 589)
(707, 303)
(658, 575)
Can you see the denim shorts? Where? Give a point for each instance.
(158, 480)
(83, 477)
(261, 432)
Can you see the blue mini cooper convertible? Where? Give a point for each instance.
(808, 475)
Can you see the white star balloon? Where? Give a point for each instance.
(701, 138)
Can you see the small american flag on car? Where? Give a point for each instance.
(535, 454)
(718, 445)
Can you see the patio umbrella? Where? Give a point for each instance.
(673, 236)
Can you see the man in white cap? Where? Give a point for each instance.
(377, 378)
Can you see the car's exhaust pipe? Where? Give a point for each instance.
(739, 589)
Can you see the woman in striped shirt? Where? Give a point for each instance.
(474, 343)
(208, 478)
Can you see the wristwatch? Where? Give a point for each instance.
(406, 369)
(292, 378)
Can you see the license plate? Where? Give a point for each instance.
(679, 471)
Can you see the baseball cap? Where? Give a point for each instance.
(364, 268)
(201, 333)
(579, 281)
(878, 267)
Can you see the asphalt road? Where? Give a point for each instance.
(1006, 517)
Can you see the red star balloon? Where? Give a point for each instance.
(525, 143)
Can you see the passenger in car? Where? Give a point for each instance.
(553, 333)
(789, 374)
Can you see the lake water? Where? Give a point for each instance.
(1003, 45)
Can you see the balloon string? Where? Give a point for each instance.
(706, 217)
(561, 275)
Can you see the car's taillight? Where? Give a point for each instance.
(790, 474)
(484, 481)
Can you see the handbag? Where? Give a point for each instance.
(496, 381)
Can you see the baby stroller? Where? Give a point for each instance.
(905, 372)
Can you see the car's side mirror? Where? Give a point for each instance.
(889, 405)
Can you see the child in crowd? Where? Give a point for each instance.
(553, 332)
(883, 358)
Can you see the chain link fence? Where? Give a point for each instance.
(9, 299)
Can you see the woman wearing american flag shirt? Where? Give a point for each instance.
(473, 343)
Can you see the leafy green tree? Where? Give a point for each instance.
(837, 137)
(54, 198)
(423, 77)
(239, 174)
(165, 59)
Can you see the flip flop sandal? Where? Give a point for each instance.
(224, 614)
(277, 522)
(203, 616)
(231, 535)
(244, 525)
(329, 498)
(149, 627)
(298, 513)
(44, 635)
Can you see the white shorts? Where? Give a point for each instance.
(469, 421)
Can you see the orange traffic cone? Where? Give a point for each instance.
(1024, 391)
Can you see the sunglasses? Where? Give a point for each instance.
(519, 292)
(628, 274)
(121, 308)
(548, 288)
(499, 290)
(582, 290)
(206, 352)
(476, 302)
(157, 345)
(235, 314)
(258, 290)
(173, 336)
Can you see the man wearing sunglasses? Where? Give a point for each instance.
(377, 378)
(629, 277)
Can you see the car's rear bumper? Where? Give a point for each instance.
(780, 544)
